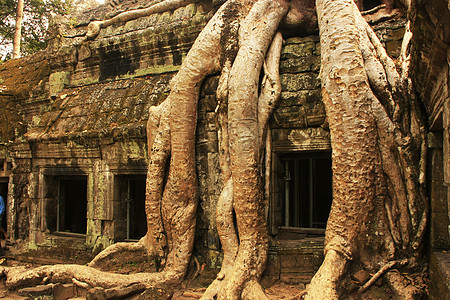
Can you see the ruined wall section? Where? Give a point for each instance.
(389, 27)
(91, 123)
(96, 131)
(430, 74)
(23, 96)
(150, 45)
(299, 126)
(297, 122)
(23, 93)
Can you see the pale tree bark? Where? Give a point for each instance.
(18, 29)
(379, 209)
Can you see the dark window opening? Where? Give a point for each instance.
(72, 204)
(132, 191)
(369, 4)
(305, 190)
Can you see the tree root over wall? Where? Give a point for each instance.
(379, 209)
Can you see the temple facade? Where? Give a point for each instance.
(73, 148)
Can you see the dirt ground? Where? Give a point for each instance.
(192, 288)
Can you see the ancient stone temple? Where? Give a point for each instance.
(73, 147)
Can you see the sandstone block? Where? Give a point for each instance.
(300, 81)
(37, 291)
(361, 276)
(58, 81)
(439, 230)
(84, 52)
(301, 64)
(185, 12)
(63, 291)
(298, 50)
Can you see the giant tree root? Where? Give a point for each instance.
(18, 277)
(376, 132)
(328, 277)
(115, 250)
(94, 27)
(245, 282)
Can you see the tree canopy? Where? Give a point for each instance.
(34, 26)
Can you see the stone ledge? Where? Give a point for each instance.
(439, 275)
(294, 261)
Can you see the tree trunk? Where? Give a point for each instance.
(18, 29)
(379, 206)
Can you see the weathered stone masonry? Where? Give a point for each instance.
(87, 122)
(431, 78)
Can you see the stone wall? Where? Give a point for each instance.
(208, 170)
(23, 93)
(97, 131)
(430, 74)
(149, 45)
(297, 122)
(84, 106)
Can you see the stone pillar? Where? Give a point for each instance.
(446, 141)
(446, 157)
(438, 193)
(99, 233)
(33, 208)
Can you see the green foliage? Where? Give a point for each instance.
(34, 26)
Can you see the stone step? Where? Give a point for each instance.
(295, 261)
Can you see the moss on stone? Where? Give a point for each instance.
(58, 81)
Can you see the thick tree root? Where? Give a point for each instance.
(18, 277)
(327, 277)
(375, 129)
(94, 27)
(233, 281)
(256, 34)
(158, 141)
(116, 292)
(381, 272)
(114, 250)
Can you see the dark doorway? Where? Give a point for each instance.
(72, 204)
(369, 4)
(302, 193)
(4, 194)
(132, 190)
